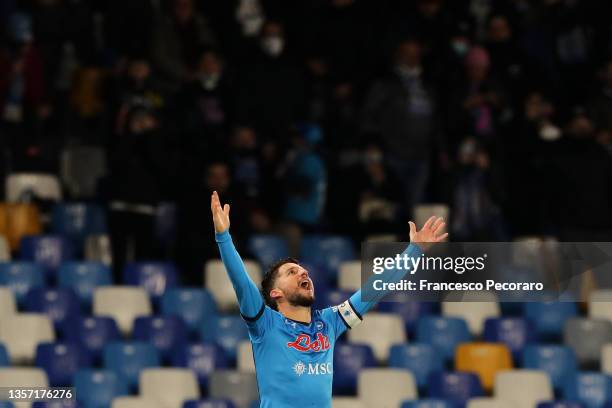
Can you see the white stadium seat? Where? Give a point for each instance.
(244, 360)
(240, 388)
(385, 387)
(98, 249)
(523, 388)
(170, 387)
(5, 250)
(44, 186)
(219, 285)
(474, 308)
(379, 331)
(489, 403)
(11, 377)
(123, 303)
(21, 333)
(135, 402)
(349, 277)
(600, 304)
(7, 302)
(606, 359)
(347, 402)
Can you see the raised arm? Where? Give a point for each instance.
(249, 298)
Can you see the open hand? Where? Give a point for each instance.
(220, 215)
(432, 232)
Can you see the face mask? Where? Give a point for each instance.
(460, 47)
(273, 46)
(550, 133)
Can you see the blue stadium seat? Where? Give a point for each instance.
(58, 304)
(195, 306)
(65, 403)
(209, 403)
(444, 333)
(97, 388)
(548, 318)
(61, 361)
(50, 251)
(349, 359)
(20, 277)
(91, 333)
(155, 277)
(84, 278)
(560, 404)
(420, 358)
(409, 310)
(4, 357)
(267, 249)
(78, 220)
(6, 404)
(458, 387)
(559, 362)
(516, 333)
(429, 403)
(129, 358)
(202, 358)
(228, 332)
(593, 389)
(327, 252)
(331, 297)
(165, 333)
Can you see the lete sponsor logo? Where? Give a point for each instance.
(304, 343)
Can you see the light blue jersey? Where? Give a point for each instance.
(294, 360)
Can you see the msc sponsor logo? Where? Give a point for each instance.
(304, 343)
(300, 368)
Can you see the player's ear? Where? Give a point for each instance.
(276, 294)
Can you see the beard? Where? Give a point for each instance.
(298, 299)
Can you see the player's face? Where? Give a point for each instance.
(295, 284)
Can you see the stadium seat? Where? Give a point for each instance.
(244, 359)
(18, 221)
(78, 220)
(165, 333)
(474, 308)
(219, 285)
(559, 362)
(98, 249)
(409, 310)
(5, 250)
(420, 358)
(134, 402)
(267, 249)
(195, 306)
(523, 388)
(423, 212)
(23, 377)
(428, 403)
(24, 187)
(7, 404)
(91, 334)
(514, 332)
(209, 403)
(600, 304)
(398, 386)
(81, 168)
(331, 297)
(442, 333)
(606, 358)
(204, 359)
(84, 278)
(587, 338)
(548, 318)
(4, 357)
(98, 388)
(489, 403)
(326, 252)
(457, 387)
(380, 331)
(561, 404)
(349, 276)
(484, 359)
(20, 277)
(50, 251)
(349, 360)
(22, 332)
(171, 387)
(65, 403)
(347, 402)
(240, 388)
(123, 304)
(591, 388)
(58, 304)
(154, 277)
(61, 361)
(228, 331)
(8, 306)
(128, 359)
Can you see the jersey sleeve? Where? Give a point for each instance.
(331, 316)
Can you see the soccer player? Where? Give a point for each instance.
(293, 344)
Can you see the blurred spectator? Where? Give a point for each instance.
(402, 108)
(177, 40)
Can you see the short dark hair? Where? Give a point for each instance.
(269, 280)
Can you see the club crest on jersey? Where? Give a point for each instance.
(305, 343)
